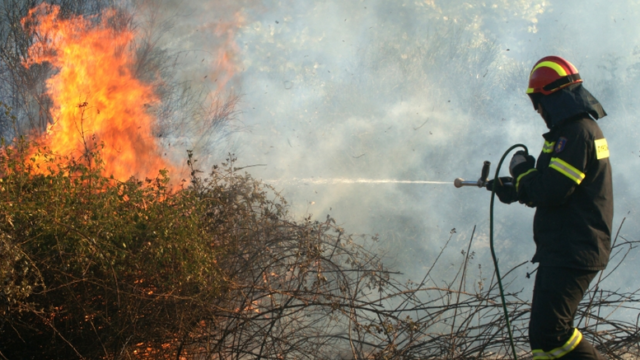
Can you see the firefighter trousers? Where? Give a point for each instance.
(556, 295)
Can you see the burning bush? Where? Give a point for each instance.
(98, 264)
(93, 267)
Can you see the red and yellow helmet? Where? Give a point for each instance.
(550, 74)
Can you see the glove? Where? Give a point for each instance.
(521, 163)
(506, 193)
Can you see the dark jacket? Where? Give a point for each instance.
(572, 191)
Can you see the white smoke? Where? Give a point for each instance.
(414, 91)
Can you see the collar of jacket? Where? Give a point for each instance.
(555, 131)
(570, 102)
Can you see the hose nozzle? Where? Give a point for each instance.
(482, 182)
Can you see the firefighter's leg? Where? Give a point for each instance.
(556, 296)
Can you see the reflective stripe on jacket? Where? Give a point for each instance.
(571, 189)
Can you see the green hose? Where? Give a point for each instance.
(493, 252)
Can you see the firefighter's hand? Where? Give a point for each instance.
(506, 193)
(521, 163)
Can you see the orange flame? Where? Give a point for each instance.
(226, 65)
(96, 98)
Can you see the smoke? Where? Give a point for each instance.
(380, 90)
(409, 90)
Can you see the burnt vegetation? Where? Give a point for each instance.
(95, 268)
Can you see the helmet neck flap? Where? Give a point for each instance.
(568, 102)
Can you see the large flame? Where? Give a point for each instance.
(96, 98)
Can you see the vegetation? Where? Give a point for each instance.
(95, 268)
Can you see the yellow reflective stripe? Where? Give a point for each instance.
(548, 147)
(540, 355)
(561, 351)
(567, 170)
(550, 64)
(523, 175)
(530, 90)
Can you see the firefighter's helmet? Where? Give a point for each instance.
(550, 74)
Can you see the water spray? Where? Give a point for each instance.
(482, 182)
(336, 181)
(459, 182)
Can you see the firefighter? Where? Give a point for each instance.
(570, 187)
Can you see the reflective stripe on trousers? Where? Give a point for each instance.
(561, 351)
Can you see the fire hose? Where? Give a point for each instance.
(482, 182)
